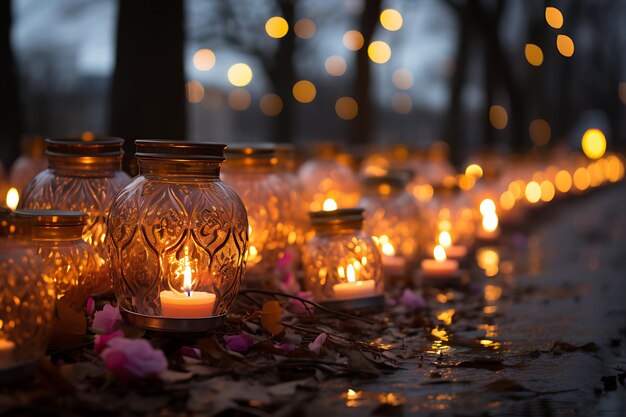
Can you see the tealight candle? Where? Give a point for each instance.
(392, 265)
(353, 288)
(457, 252)
(189, 304)
(440, 266)
(6, 353)
(489, 227)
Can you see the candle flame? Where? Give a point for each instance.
(13, 197)
(185, 266)
(329, 205)
(487, 206)
(388, 249)
(439, 253)
(252, 253)
(445, 239)
(490, 222)
(350, 275)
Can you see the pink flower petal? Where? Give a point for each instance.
(91, 306)
(288, 347)
(316, 345)
(412, 300)
(191, 352)
(102, 340)
(106, 320)
(133, 358)
(238, 343)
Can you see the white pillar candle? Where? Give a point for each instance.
(393, 265)
(6, 353)
(440, 266)
(353, 288)
(456, 252)
(186, 306)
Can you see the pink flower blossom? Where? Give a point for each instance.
(238, 343)
(287, 347)
(91, 306)
(298, 307)
(133, 358)
(191, 352)
(412, 300)
(102, 340)
(286, 269)
(316, 345)
(106, 320)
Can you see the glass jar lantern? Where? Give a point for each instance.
(177, 239)
(254, 172)
(69, 261)
(26, 307)
(392, 216)
(81, 176)
(342, 263)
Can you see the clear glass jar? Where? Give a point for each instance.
(27, 305)
(81, 176)
(342, 262)
(68, 259)
(254, 172)
(177, 233)
(392, 216)
(450, 210)
(298, 220)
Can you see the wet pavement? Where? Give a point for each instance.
(544, 334)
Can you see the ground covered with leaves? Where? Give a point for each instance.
(538, 329)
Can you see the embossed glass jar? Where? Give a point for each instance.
(342, 263)
(81, 176)
(253, 171)
(26, 306)
(392, 216)
(68, 259)
(177, 236)
(298, 222)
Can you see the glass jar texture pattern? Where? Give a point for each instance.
(324, 179)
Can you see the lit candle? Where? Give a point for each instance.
(489, 227)
(329, 205)
(441, 266)
(188, 304)
(353, 288)
(392, 265)
(13, 198)
(6, 353)
(457, 252)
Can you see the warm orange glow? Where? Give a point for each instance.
(466, 182)
(498, 117)
(490, 222)
(391, 19)
(352, 394)
(581, 179)
(388, 249)
(353, 40)
(346, 108)
(492, 292)
(507, 200)
(540, 132)
(534, 54)
(402, 103)
(547, 190)
(594, 144)
(13, 198)
(271, 104)
(204, 59)
(240, 74)
(565, 45)
(239, 99)
(329, 205)
(276, 27)
(87, 136)
(445, 239)
(335, 65)
(439, 253)
(195, 92)
(253, 252)
(474, 170)
(379, 52)
(304, 91)
(554, 17)
(305, 28)
(517, 189)
(350, 275)
(445, 225)
(533, 192)
(563, 181)
(423, 192)
(487, 206)
(615, 168)
(402, 78)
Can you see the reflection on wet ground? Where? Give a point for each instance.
(540, 330)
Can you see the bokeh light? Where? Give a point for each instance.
(305, 28)
(474, 170)
(353, 40)
(534, 54)
(594, 143)
(239, 99)
(498, 117)
(402, 79)
(335, 65)
(581, 179)
(554, 17)
(271, 104)
(533, 192)
(565, 45)
(240, 74)
(487, 206)
(195, 91)
(346, 108)
(379, 52)
(304, 91)
(563, 181)
(402, 103)
(276, 27)
(391, 19)
(507, 200)
(547, 191)
(204, 59)
(540, 132)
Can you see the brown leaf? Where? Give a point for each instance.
(270, 317)
(213, 352)
(561, 346)
(69, 327)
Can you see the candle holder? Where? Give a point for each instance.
(82, 176)
(68, 259)
(27, 298)
(253, 171)
(178, 238)
(342, 263)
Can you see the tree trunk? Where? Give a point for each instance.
(148, 91)
(361, 127)
(10, 106)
